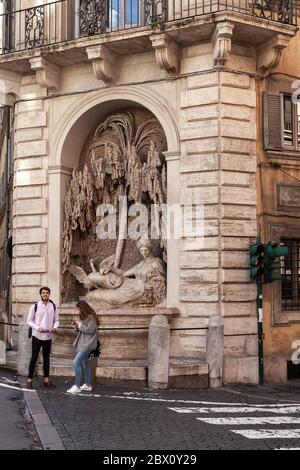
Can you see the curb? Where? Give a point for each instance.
(48, 435)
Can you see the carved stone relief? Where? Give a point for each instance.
(121, 157)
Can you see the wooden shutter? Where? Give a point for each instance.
(273, 131)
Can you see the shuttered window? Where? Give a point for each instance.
(290, 273)
(281, 122)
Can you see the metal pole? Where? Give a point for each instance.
(259, 306)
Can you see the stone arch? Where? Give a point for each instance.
(73, 127)
(68, 135)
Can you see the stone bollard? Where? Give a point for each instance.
(24, 348)
(158, 352)
(215, 350)
(2, 352)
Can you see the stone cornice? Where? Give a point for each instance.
(221, 40)
(103, 63)
(47, 74)
(167, 52)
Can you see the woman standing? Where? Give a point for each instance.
(85, 342)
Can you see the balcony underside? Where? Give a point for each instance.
(250, 31)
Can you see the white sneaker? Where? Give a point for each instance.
(74, 390)
(86, 388)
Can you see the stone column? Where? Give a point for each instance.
(24, 348)
(214, 350)
(158, 352)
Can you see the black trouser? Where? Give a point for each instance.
(37, 344)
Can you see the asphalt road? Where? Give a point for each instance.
(17, 431)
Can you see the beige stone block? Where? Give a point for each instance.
(27, 280)
(233, 111)
(230, 211)
(238, 129)
(238, 292)
(31, 149)
(204, 129)
(238, 346)
(191, 345)
(27, 221)
(203, 80)
(189, 292)
(232, 162)
(30, 265)
(240, 228)
(196, 63)
(196, 309)
(26, 135)
(195, 163)
(199, 113)
(26, 106)
(232, 178)
(26, 294)
(240, 370)
(236, 145)
(240, 196)
(198, 97)
(29, 163)
(28, 79)
(32, 119)
(27, 235)
(29, 91)
(30, 206)
(235, 275)
(235, 259)
(189, 322)
(242, 97)
(234, 243)
(206, 178)
(203, 243)
(28, 192)
(27, 250)
(211, 228)
(235, 80)
(199, 146)
(199, 275)
(204, 259)
(33, 177)
(239, 309)
(202, 195)
(240, 326)
(20, 309)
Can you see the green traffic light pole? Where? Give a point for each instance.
(259, 307)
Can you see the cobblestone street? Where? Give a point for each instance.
(114, 417)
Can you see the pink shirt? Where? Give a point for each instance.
(44, 317)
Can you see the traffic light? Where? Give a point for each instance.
(257, 251)
(272, 266)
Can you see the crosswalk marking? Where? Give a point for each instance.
(241, 409)
(247, 420)
(268, 433)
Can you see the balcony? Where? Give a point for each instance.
(126, 25)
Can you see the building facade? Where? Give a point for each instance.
(84, 79)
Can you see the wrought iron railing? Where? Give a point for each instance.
(65, 20)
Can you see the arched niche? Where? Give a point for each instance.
(69, 134)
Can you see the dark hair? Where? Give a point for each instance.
(87, 311)
(45, 288)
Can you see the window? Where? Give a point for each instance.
(281, 122)
(290, 272)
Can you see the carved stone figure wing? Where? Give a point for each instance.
(81, 276)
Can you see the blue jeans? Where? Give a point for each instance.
(82, 359)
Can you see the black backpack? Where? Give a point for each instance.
(35, 309)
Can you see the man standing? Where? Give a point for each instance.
(43, 318)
